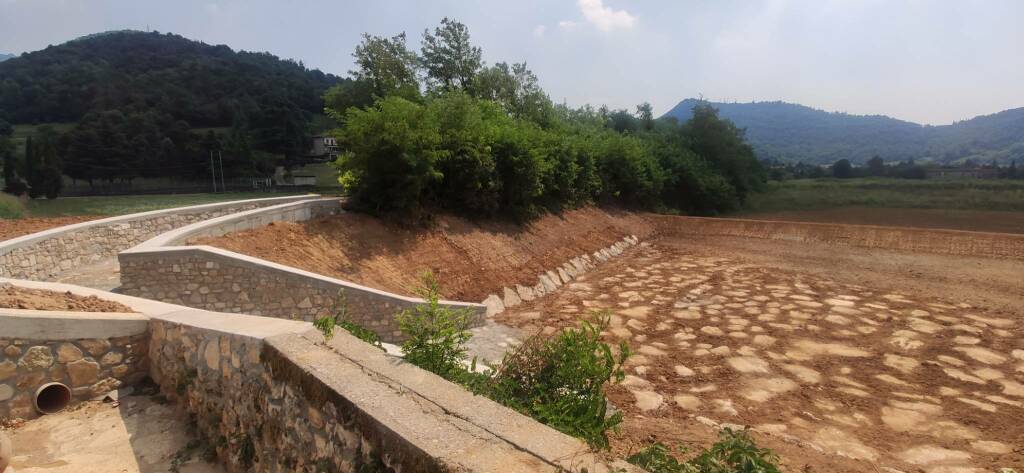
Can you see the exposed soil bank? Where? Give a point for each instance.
(12, 297)
(950, 219)
(13, 228)
(470, 259)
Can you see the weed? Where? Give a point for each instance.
(325, 325)
(735, 452)
(559, 380)
(341, 319)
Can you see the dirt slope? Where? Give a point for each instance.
(470, 259)
(950, 219)
(13, 228)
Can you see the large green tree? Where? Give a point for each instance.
(387, 65)
(449, 59)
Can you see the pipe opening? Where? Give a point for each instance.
(52, 398)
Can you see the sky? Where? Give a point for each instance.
(927, 61)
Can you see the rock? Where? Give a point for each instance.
(525, 293)
(105, 386)
(68, 352)
(95, 347)
(111, 358)
(6, 392)
(212, 355)
(36, 359)
(83, 372)
(12, 351)
(7, 369)
(564, 275)
(554, 278)
(511, 299)
(493, 304)
(548, 284)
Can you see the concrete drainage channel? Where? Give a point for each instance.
(271, 385)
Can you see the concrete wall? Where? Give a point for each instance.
(92, 353)
(949, 242)
(43, 255)
(215, 279)
(288, 402)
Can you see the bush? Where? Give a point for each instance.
(559, 380)
(437, 335)
(735, 452)
(10, 206)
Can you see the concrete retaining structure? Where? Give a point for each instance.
(270, 395)
(205, 277)
(43, 255)
(91, 353)
(948, 242)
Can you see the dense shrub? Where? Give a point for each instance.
(559, 380)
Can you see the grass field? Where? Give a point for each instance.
(817, 194)
(126, 204)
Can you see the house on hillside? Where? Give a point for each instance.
(324, 148)
(962, 173)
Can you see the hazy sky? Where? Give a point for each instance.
(926, 61)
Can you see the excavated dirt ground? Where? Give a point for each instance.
(469, 259)
(950, 219)
(13, 228)
(12, 297)
(840, 363)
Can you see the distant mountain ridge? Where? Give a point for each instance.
(5, 56)
(792, 132)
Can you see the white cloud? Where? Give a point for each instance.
(605, 18)
(539, 30)
(567, 24)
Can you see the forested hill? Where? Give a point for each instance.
(791, 132)
(5, 56)
(165, 76)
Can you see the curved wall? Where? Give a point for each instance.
(44, 255)
(166, 269)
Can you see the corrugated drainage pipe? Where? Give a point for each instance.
(52, 398)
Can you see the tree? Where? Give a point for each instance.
(876, 166)
(842, 169)
(645, 113)
(724, 146)
(516, 88)
(387, 65)
(449, 59)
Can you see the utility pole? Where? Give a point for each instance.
(213, 175)
(220, 155)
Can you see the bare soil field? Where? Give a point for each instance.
(13, 228)
(840, 363)
(12, 297)
(470, 260)
(950, 219)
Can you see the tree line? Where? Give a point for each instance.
(137, 99)
(439, 128)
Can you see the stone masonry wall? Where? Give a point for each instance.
(90, 367)
(256, 422)
(42, 259)
(205, 279)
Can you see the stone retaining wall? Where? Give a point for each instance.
(214, 279)
(286, 402)
(90, 364)
(949, 242)
(43, 255)
(553, 279)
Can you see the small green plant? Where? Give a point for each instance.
(559, 380)
(325, 325)
(734, 452)
(657, 458)
(437, 335)
(341, 319)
